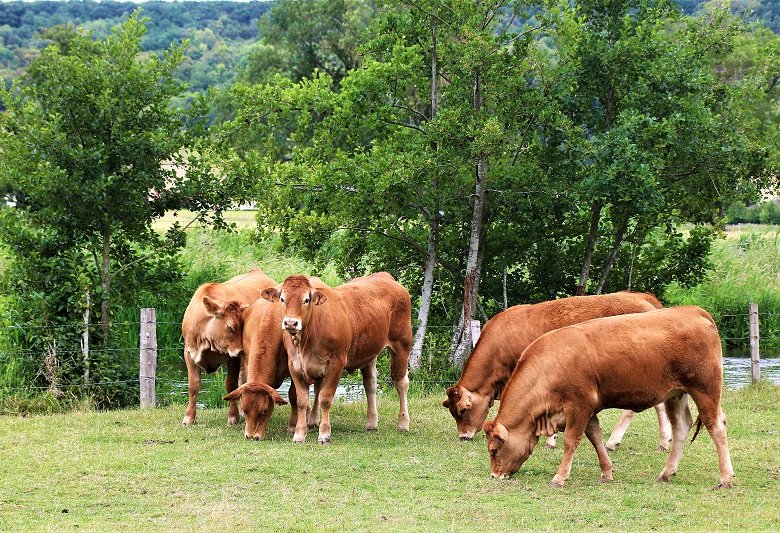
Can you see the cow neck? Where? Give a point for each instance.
(479, 374)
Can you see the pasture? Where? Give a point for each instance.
(141, 470)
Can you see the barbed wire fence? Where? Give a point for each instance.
(170, 379)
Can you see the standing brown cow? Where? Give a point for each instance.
(567, 376)
(332, 329)
(266, 363)
(507, 334)
(212, 330)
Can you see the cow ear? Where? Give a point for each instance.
(319, 298)
(275, 396)
(487, 427)
(453, 392)
(271, 294)
(211, 306)
(446, 403)
(235, 395)
(233, 308)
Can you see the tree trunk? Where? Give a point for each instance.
(415, 357)
(105, 277)
(621, 230)
(595, 215)
(471, 281)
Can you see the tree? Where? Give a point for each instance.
(662, 140)
(299, 37)
(91, 142)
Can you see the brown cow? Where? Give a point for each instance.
(345, 327)
(507, 334)
(212, 329)
(266, 362)
(567, 376)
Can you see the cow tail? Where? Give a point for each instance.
(698, 424)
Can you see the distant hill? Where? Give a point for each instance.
(220, 32)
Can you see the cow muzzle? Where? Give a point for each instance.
(496, 475)
(291, 325)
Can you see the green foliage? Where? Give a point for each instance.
(767, 212)
(85, 136)
(220, 33)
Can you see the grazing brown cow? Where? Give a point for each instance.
(332, 329)
(266, 362)
(212, 330)
(507, 334)
(567, 376)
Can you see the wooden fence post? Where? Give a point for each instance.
(148, 357)
(755, 357)
(85, 341)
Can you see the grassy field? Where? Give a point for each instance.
(141, 471)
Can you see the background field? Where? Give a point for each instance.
(141, 471)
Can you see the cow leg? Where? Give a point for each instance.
(680, 418)
(302, 405)
(369, 385)
(293, 421)
(576, 422)
(193, 385)
(626, 415)
(714, 419)
(399, 369)
(664, 428)
(231, 384)
(329, 384)
(314, 413)
(593, 432)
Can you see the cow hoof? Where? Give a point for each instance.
(722, 486)
(324, 440)
(662, 448)
(603, 479)
(232, 421)
(298, 439)
(188, 421)
(664, 478)
(556, 484)
(372, 428)
(611, 447)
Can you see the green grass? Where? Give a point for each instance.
(140, 471)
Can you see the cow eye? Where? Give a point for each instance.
(494, 452)
(306, 300)
(281, 299)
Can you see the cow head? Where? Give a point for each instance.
(508, 451)
(257, 403)
(224, 329)
(469, 409)
(298, 299)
